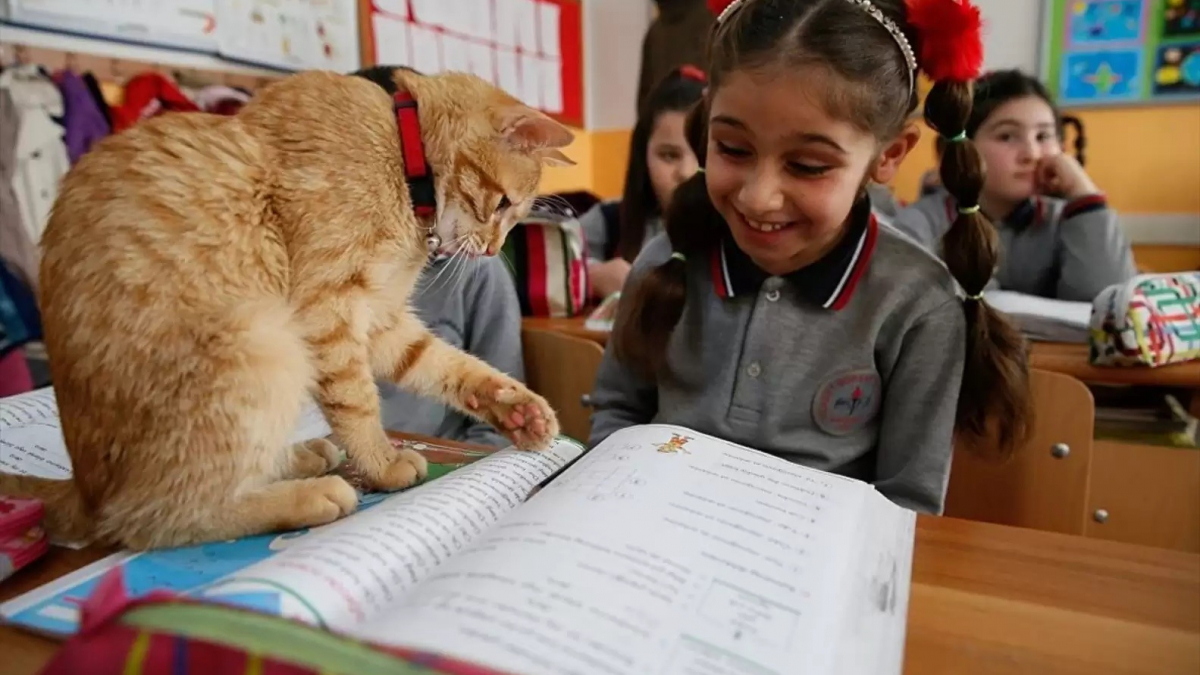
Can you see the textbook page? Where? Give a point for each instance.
(32, 406)
(663, 551)
(31, 438)
(342, 574)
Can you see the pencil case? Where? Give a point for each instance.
(22, 539)
(164, 634)
(1151, 320)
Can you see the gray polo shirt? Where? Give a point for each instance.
(475, 310)
(596, 234)
(850, 365)
(1069, 250)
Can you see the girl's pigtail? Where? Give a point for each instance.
(649, 312)
(994, 401)
(1080, 140)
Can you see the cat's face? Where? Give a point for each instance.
(487, 151)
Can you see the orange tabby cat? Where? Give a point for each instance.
(202, 274)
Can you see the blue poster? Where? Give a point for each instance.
(1107, 21)
(1102, 76)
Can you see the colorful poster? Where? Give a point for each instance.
(1108, 52)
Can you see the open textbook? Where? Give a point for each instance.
(1044, 319)
(660, 551)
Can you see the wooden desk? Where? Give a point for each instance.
(1072, 359)
(986, 600)
(571, 326)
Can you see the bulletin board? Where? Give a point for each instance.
(1121, 52)
(532, 49)
(282, 34)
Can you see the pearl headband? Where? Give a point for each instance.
(867, 6)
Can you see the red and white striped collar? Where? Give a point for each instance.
(828, 282)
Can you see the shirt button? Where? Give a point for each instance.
(773, 296)
(754, 370)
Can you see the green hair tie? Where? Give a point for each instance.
(678, 256)
(958, 138)
(977, 297)
(968, 210)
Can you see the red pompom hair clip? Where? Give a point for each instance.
(690, 72)
(718, 6)
(950, 36)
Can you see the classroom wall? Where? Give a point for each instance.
(1147, 159)
(601, 148)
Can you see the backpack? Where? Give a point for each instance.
(547, 257)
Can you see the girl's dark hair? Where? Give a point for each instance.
(998, 87)
(843, 40)
(677, 92)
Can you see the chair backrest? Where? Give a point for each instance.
(562, 368)
(1044, 485)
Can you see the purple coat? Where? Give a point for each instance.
(83, 121)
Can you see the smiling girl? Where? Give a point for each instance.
(1058, 236)
(775, 311)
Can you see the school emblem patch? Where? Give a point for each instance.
(847, 402)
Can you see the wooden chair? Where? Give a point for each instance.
(1044, 485)
(562, 368)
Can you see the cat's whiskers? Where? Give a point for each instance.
(554, 203)
(448, 267)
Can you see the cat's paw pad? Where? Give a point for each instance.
(327, 499)
(518, 413)
(315, 457)
(404, 468)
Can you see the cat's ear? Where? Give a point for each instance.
(554, 157)
(529, 129)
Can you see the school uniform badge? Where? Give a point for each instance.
(847, 401)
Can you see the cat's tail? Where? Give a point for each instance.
(67, 518)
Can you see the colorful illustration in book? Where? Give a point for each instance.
(677, 443)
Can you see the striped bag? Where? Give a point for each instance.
(1150, 320)
(161, 634)
(547, 257)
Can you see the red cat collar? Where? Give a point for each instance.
(416, 169)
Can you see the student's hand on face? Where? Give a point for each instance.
(1061, 175)
(609, 277)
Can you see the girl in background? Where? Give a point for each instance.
(776, 312)
(1058, 236)
(659, 160)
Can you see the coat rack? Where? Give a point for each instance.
(107, 69)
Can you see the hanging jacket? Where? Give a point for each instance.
(83, 121)
(147, 95)
(16, 246)
(37, 159)
(97, 93)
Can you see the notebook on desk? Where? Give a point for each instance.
(659, 551)
(1044, 319)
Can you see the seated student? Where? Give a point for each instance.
(471, 305)
(1058, 236)
(659, 160)
(775, 312)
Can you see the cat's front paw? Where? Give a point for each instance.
(402, 468)
(518, 413)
